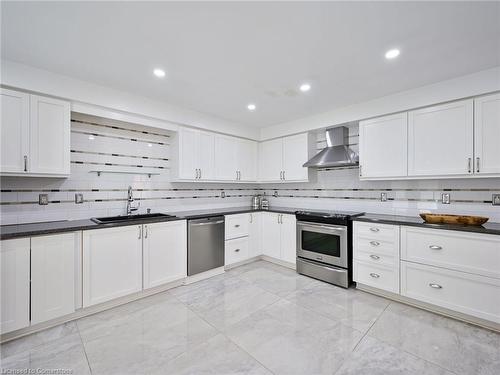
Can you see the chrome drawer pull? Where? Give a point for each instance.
(435, 286)
(236, 250)
(435, 247)
(237, 226)
(374, 229)
(375, 275)
(374, 243)
(376, 257)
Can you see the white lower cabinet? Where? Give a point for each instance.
(377, 276)
(236, 250)
(53, 278)
(112, 263)
(164, 253)
(240, 233)
(463, 292)
(255, 234)
(15, 284)
(279, 236)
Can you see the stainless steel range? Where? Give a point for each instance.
(324, 245)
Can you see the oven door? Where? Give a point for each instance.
(322, 242)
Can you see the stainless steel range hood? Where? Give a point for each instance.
(337, 153)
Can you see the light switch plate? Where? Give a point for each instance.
(43, 199)
(445, 198)
(223, 194)
(495, 199)
(78, 198)
(383, 197)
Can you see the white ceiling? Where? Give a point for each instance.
(221, 56)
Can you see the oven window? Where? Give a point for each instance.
(327, 244)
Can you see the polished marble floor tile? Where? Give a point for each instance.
(374, 357)
(456, 346)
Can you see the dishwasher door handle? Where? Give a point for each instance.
(207, 223)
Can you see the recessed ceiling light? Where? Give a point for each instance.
(392, 53)
(91, 137)
(160, 73)
(305, 87)
(150, 145)
(251, 107)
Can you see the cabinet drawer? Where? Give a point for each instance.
(236, 226)
(236, 250)
(379, 258)
(379, 246)
(461, 251)
(463, 292)
(377, 276)
(375, 231)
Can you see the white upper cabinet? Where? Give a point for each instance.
(383, 147)
(295, 154)
(440, 140)
(15, 284)
(14, 131)
(235, 159)
(52, 276)
(35, 135)
(195, 155)
(271, 160)
(487, 135)
(281, 160)
(164, 253)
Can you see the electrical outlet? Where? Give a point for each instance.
(445, 198)
(383, 197)
(43, 199)
(223, 194)
(495, 199)
(78, 198)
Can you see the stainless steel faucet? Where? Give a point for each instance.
(130, 201)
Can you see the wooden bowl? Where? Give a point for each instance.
(454, 219)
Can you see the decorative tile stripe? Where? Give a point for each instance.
(378, 189)
(120, 128)
(117, 165)
(112, 154)
(388, 199)
(118, 137)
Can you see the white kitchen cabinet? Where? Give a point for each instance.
(235, 159)
(15, 284)
(164, 252)
(487, 135)
(52, 276)
(281, 160)
(271, 160)
(383, 147)
(112, 263)
(255, 234)
(279, 236)
(236, 250)
(440, 140)
(35, 135)
(195, 153)
(14, 131)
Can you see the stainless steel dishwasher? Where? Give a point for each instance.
(205, 244)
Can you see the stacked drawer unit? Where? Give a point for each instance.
(376, 255)
(236, 238)
(456, 270)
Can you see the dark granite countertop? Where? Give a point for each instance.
(41, 228)
(416, 221)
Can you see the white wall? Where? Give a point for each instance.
(461, 87)
(33, 79)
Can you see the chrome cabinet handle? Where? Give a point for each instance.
(145, 231)
(25, 163)
(140, 233)
(236, 250)
(284, 178)
(435, 247)
(375, 275)
(237, 226)
(239, 175)
(360, 170)
(435, 286)
(376, 257)
(251, 218)
(375, 229)
(196, 174)
(477, 164)
(281, 175)
(469, 165)
(374, 243)
(200, 173)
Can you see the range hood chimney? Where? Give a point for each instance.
(337, 153)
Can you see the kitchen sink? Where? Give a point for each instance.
(125, 218)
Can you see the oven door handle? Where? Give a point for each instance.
(327, 227)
